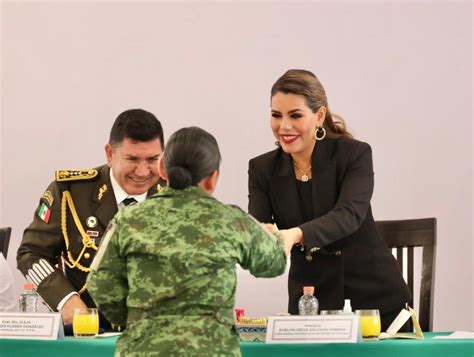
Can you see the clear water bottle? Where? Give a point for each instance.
(29, 299)
(308, 304)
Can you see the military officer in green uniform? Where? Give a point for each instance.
(74, 211)
(166, 266)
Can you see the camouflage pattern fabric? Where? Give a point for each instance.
(167, 268)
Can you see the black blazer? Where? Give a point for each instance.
(354, 262)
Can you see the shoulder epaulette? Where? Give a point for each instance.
(75, 175)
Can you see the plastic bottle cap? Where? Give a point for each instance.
(28, 286)
(308, 290)
(347, 306)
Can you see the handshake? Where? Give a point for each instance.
(290, 236)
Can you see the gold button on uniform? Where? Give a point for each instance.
(87, 255)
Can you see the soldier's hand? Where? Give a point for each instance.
(270, 226)
(74, 302)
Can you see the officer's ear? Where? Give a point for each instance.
(161, 168)
(209, 183)
(213, 180)
(109, 153)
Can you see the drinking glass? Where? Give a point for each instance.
(369, 322)
(85, 323)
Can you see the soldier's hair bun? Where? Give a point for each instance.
(179, 177)
(190, 155)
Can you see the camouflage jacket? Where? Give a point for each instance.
(167, 268)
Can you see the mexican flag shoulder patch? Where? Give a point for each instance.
(44, 212)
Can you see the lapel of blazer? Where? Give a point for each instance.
(284, 193)
(324, 177)
(106, 202)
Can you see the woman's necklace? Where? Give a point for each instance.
(304, 176)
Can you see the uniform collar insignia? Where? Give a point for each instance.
(102, 190)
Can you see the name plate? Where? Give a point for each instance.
(313, 329)
(32, 326)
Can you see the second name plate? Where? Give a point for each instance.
(313, 329)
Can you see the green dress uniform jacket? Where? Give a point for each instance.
(69, 222)
(167, 267)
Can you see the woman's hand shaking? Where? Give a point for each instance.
(290, 236)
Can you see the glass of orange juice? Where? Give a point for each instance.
(85, 322)
(369, 323)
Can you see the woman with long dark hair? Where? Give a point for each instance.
(317, 185)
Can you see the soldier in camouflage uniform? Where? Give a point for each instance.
(76, 208)
(167, 266)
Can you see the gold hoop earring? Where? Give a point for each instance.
(320, 133)
(277, 143)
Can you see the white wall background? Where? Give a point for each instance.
(399, 72)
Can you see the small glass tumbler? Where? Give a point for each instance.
(369, 323)
(85, 323)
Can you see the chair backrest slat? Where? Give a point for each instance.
(408, 234)
(410, 270)
(400, 258)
